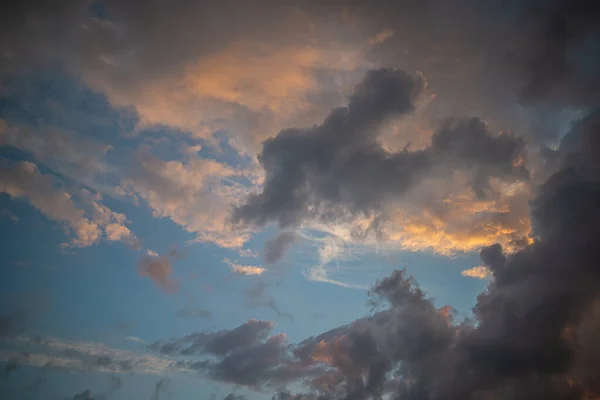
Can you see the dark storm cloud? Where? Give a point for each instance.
(276, 247)
(245, 355)
(302, 163)
(562, 58)
(493, 257)
(338, 169)
(252, 366)
(534, 323)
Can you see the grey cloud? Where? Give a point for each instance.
(233, 396)
(252, 366)
(338, 170)
(245, 355)
(560, 60)
(217, 343)
(275, 248)
(540, 50)
(492, 257)
(531, 337)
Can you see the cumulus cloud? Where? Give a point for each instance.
(245, 269)
(532, 324)
(295, 65)
(196, 195)
(71, 154)
(158, 269)
(531, 335)
(89, 220)
(245, 355)
(339, 172)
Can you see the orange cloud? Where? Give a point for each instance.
(332, 353)
(159, 270)
(81, 212)
(245, 269)
(445, 217)
(479, 272)
(194, 194)
(381, 37)
(248, 88)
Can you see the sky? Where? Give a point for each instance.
(299, 200)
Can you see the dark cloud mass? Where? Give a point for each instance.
(531, 337)
(339, 170)
(535, 330)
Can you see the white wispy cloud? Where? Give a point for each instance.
(245, 269)
(85, 356)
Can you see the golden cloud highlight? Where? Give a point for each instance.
(479, 272)
(245, 269)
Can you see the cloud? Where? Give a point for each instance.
(233, 396)
(303, 52)
(245, 355)
(338, 172)
(158, 269)
(295, 159)
(194, 313)
(247, 78)
(219, 343)
(196, 194)
(251, 80)
(10, 215)
(84, 357)
(521, 343)
(247, 88)
(331, 250)
(479, 272)
(71, 154)
(22, 179)
(245, 269)
(531, 328)
(275, 248)
(381, 37)
(135, 339)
